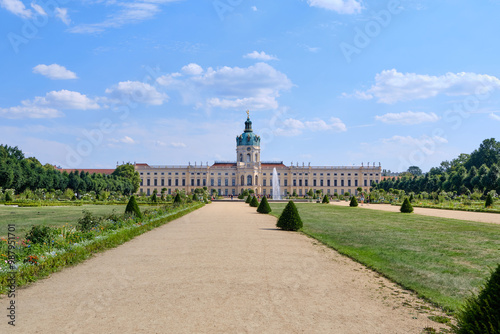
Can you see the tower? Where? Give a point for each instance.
(248, 157)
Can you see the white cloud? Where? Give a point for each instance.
(63, 99)
(20, 112)
(38, 9)
(16, 7)
(127, 140)
(62, 14)
(255, 87)
(136, 91)
(295, 127)
(422, 142)
(495, 117)
(192, 69)
(54, 71)
(178, 145)
(408, 118)
(260, 56)
(339, 6)
(392, 86)
(254, 8)
(131, 12)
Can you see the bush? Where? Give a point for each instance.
(40, 234)
(8, 197)
(154, 198)
(289, 219)
(254, 202)
(326, 200)
(354, 202)
(132, 207)
(177, 199)
(406, 207)
(195, 198)
(87, 222)
(264, 206)
(249, 199)
(411, 198)
(481, 314)
(489, 201)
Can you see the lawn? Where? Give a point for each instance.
(24, 218)
(443, 260)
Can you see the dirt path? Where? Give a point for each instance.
(221, 269)
(483, 217)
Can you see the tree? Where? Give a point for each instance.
(128, 171)
(310, 193)
(254, 202)
(177, 199)
(488, 153)
(154, 198)
(8, 197)
(481, 314)
(326, 200)
(415, 170)
(249, 199)
(289, 219)
(406, 207)
(264, 206)
(489, 201)
(133, 208)
(354, 202)
(195, 198)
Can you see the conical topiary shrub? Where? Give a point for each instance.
(177, 199)
(249, 199)
(489, 201)
(326, 200)
(481, 314)
(8, 197)
(354, 202)
(406, 207)
(289, 219)
(411, 198)
(254, 202)
(195, 198)
(132, 207)
(264, 206)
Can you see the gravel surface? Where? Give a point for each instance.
(221, 269)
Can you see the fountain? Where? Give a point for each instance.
(276, 186)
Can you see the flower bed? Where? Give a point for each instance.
(69, 245)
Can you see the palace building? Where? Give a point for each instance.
(249, 172)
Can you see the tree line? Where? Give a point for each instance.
(20, 173)
(468, 173)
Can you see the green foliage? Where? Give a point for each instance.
(88, 222)
(326, 200)
(177, 199)
(249, 199)
(354, 202)
(241, 196)
(406, 207)
(411, 198)
(195, 198)
(254, 202)
(289, 219)
(489, 201)
(245, 193)
(294, 194)
(154, 198)
(264, 206)
(128, 171)
(40, 234)
(133, 208)
(310, 193)
(481, 314)
(346, 194)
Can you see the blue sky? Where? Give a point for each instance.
(87, 83)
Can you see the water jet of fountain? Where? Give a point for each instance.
(276, 185)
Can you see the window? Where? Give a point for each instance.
(234, 182)
(286, 183)
(212, 182)
(264, 182)
(169, 182)
(141, 182)
(241, 157)
(306, 181)
(348, 183)
(328, 183)
(162, 182)
(148, 192)
(314, 183)
(148, 182)
(198, 182)
(294, 183)
(204, 182)
(256, 180)
(342, 184)
(249, 180)
(155, 182)
(242, 180)
(183, 182)
(226, 182)
(192, 182)
(365, 183)
(249, 157)
(219, 182)
(355, 183)
(334, 183)
(321, 183)
(300, 183)
(176, 182)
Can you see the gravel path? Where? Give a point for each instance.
(221, 269)
(483, 217)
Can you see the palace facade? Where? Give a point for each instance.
(249, 172)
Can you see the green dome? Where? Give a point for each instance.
(248, 138)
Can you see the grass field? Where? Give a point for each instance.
(443, 260)
(24, 218)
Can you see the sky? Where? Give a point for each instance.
(93, 83)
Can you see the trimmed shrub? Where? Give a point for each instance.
(406, 207)
(154, 198)
(195, 198)
(326, 200)
(289, 219)
(354, 202)
(133, 208)
(411, 198)
(264, 206)
(489, 201)
(481, 314)
(254, 202)
(8, 197)
(249, 199)
(177, 199)
(40, 234)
